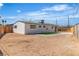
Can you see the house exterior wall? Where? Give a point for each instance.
(20, 28)
(24, 28)
(28, 30)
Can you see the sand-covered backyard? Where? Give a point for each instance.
(39, 45)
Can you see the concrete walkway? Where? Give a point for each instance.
(60, 33)
(65, 33)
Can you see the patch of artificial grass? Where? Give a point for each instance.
(47, 33)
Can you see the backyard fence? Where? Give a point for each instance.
(5, 29)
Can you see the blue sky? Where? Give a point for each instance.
(13, 12)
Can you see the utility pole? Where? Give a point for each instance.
(56, 22)
(77, 26)
(56, 25)
(76, 10)
(3, 26)
(68, 22)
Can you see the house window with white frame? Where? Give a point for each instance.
(52, 27)
(15, 26)
(44, 26)
(32, 26)
(39, 26)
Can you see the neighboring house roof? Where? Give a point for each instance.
(34, 23)
(66, 26)
(9, 24)
(77, 24)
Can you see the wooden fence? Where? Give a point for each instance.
(5, 29)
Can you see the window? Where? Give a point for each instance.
(15, 26)
(44, 26)
(52, 27)
(39, 26)
(59, 29)
(32, 26)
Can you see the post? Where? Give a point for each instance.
(68, 22)
(56, 22)
(56, 25)
(3, 26)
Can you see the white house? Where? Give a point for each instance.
(23, 27)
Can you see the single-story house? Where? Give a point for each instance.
(23, 27)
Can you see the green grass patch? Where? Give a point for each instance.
(47, 33)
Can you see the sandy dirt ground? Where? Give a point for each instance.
(39, 45)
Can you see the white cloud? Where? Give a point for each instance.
(58, 8)
(9, 17)
(18, 11)
(12, 17)
(44, 14)
(74, 16)
(1, 5)
(37, 13)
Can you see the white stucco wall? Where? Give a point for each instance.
(50, 29)
(20, 28)
(28, 30)
(36, 30)
(24, 28)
